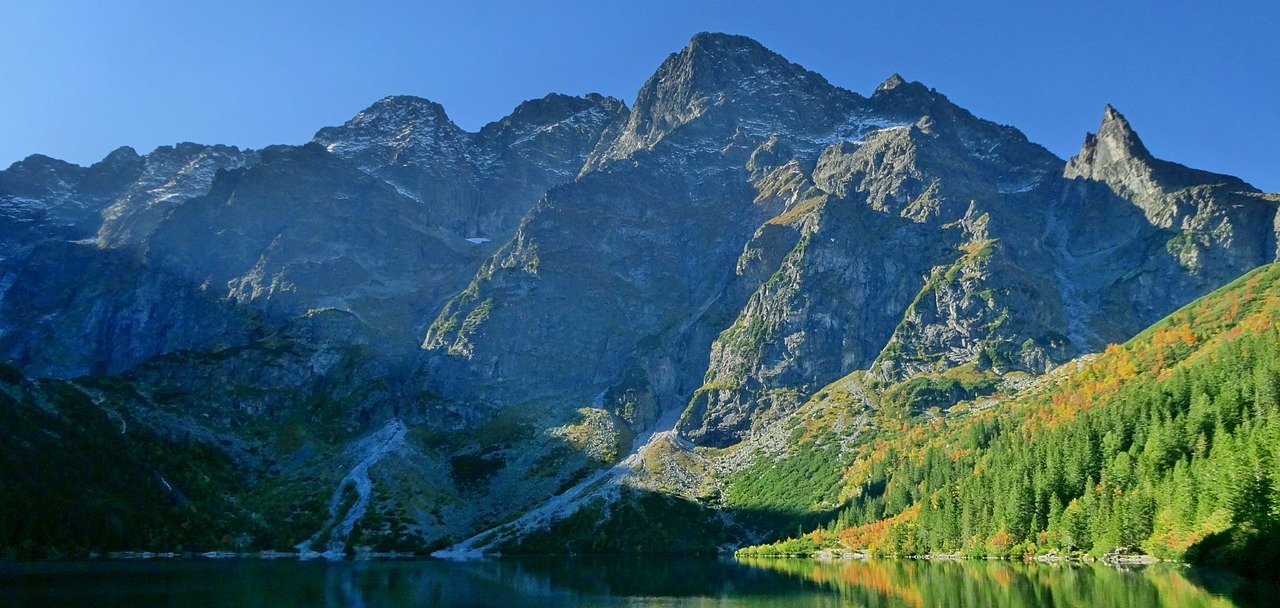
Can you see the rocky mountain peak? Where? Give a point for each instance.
(718, 43)
(1114, 147)
(554, 110)
(723, 64)
(732, 78)
(400, 129)
(1116, 139)
(901, 97)
(558, 105)
(39, 162)
(124, 155)
(410, 106)
(894, 81)
(405, 108)
(1116, 156)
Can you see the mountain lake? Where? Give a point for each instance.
(613, 581)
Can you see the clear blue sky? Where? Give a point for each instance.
(1199, 81)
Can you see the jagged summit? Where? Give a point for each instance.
(403, 109)
(411, 143)
(898, 86)
(401, 129)
(897, 95)
(38, 160)
(552, 109)
(894, 81)
(719, 43)
(1116, 155)
(474, 184)
(121, 155)
(725, 60)
(745, 86)
(1114, 151)
(412, 103)
(1115, 138)
(717, 65)
(724, 41)
(533, 107)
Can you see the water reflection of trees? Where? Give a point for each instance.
(918, 584)
(557, 581)
(601, 581)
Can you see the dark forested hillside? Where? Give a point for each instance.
(1168, 445)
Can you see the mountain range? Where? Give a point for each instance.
(586, 316)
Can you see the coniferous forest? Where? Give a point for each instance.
(1168, 445)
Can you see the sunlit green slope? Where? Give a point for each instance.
(1167, 445)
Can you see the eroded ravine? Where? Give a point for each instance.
(603, 484)
(337, 528)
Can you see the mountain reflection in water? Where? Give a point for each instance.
(599, 581)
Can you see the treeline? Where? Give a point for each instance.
(1168, 446)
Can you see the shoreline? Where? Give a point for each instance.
(826, 555)
(1111, 559)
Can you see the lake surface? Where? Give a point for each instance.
(581, 581)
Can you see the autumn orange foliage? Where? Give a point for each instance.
(875, 535)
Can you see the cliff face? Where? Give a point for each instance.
(980, 248)
(384, 217)
(475, 185)
(815, 232)
(1151, 232)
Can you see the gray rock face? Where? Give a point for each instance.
(93, 306)
(1275, 198)
(829, 305)
(893, 207)
(984, 307)
(118, 200)
(386, 228)
(170, 175)
(44, 198)
(1145, 234)
(905, 232)
(542, 144)
(629, 267)
(476, 185)
(722, 86)
(412, 144)
(300, 230)
(69, 309)
(323, 356)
